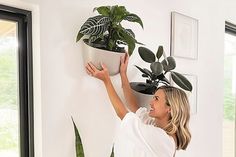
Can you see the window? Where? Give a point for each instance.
(229, 91)
(16, 87)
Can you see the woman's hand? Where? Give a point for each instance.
(99, 74)
(124, 64)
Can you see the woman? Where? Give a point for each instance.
(155, 133)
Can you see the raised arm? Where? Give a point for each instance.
(114, 98)
(129, 96)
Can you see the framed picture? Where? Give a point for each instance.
(184, 36)
(192, 96)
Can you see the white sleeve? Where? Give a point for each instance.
(142, 113)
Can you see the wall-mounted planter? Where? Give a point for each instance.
(96, 56)
(142, 99)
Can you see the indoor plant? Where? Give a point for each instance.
(157, 75)
(105, 33)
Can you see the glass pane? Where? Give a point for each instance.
(9, 111)
(229, 96)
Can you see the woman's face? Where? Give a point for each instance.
(158, 107)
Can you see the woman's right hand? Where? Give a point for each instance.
(124, 64)
(99, 74)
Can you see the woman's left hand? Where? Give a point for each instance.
(102, 75)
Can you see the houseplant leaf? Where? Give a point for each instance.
(134, 18)
(168, 64)
(95, 25)
(79, 36)
(146, 54)
(127, 37)
(78, 142)
(159, 52)
(144, 88)
(181, 81)
(156, 68)
(112, 152)
(145, 71)
(118, 13)
(103, 10)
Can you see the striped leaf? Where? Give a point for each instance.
(95, 25)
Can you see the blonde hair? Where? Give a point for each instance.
(179, 115)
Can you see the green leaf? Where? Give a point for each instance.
(134, 18)
(156, 68)
(79, 36)
(126, 37)
(144, 71)
(159, 52)
(169, 63)
(103, 10)
(112, 152)
(95, 25)
(117, 13)
(181, 81)
(146, 54)
(78, 142)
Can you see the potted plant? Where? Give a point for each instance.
(155, 77)
(107, 38)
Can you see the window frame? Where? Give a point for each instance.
(25, 75)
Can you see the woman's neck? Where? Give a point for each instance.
(161, 123)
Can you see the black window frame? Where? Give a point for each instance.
(25, 71)
(230, 28)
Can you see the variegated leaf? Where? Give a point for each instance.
(95, 25)
(93, 38)
(121, 42)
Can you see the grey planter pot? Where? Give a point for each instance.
(142, 99)
(97, 56)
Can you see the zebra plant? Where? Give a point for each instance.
(105, 31)
(159, 69)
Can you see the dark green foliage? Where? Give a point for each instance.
(106, 30)
(158, 71)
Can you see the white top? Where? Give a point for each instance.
(138, 137)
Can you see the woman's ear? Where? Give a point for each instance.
(169, 109)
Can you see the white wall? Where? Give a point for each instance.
(67, 90)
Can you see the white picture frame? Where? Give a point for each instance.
(184, 36)
(192, 96)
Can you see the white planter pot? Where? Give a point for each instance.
(97, 56)
(143, 99)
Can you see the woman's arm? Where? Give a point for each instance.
(114, 98)
(130, 98)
